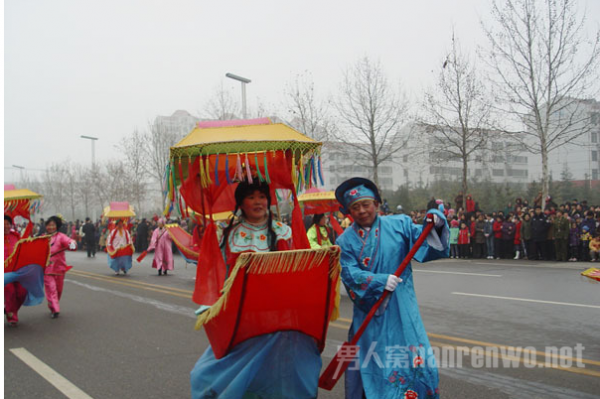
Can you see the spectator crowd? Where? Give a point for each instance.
(569, 231)
(566, 232)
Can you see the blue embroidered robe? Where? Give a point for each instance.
(395, 356)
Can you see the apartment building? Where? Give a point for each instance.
(581, 156)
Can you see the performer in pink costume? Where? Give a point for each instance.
(56, 269)
(162, 244)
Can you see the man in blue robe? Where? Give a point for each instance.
(395, 358)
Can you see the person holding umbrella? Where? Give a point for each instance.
(119, 239)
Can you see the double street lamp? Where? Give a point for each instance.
(244, 81)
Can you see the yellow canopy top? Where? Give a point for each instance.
(320, 196)
(219, 216)
(112, 214)
(248, 138)
(22, 193)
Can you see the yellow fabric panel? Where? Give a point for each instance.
(108, 213)
(321, 196)
(120, 214)
(219, 216)
(274, 132)
(21, 193)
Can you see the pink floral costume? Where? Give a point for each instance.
(162, 244)
(56, 269)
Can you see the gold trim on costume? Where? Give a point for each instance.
(22, 240)
(178, 243)
(273, 263)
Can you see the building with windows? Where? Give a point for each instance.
(180, 123)
(341, 161)
(425, 160)
(499, 160)
(579, 158)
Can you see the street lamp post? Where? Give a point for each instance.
(21, 169)
(244, 81)
(93, 140)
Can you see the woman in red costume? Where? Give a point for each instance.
(283, 364)
(14, 293)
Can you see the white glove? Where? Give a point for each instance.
(438, 221)
(72, 245)
(392, 283)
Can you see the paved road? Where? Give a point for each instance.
(133, 336)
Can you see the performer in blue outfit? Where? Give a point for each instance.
(283, 364)
(395, 357)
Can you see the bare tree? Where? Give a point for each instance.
(308, 114)
(261, 110)
(59, 188)
(159, 139)
(117, 183)
(99, 184)
(370, 114)
(457, 112)
(85, 188)
(53, 188)
(28, 181)
(221, 105)
(110, 183)
(134, 150)
(70, 185)
(543, 67)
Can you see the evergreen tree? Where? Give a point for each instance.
(565, 189)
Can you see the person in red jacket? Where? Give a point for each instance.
(464, 236)
(517, 241)
(497, 229)
(470, 205)
(472, 235)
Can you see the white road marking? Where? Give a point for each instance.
(331, 346)
(503, 264)
(528, 300)
(59, 382)
(516, 388)
(467, 274)
(562, 266)
(181, 310)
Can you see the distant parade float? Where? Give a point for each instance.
(119, 245)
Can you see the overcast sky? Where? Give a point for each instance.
(102, 68)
